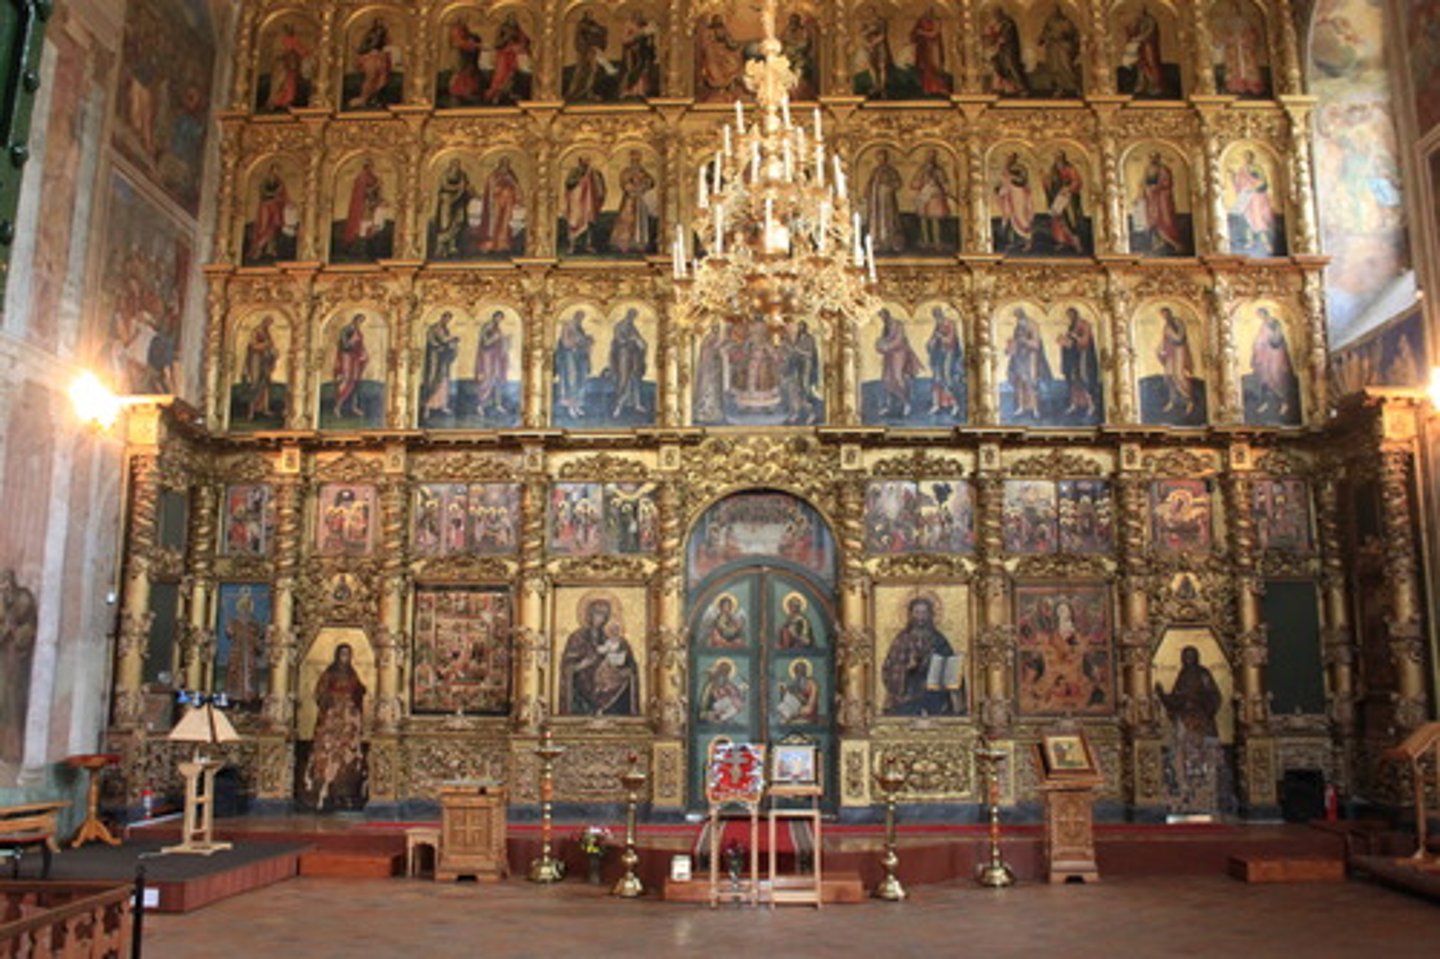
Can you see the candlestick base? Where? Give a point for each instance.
(547, 869)
(891, 890)
(995, 875)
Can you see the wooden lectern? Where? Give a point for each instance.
(1424, 738)
(1069, 778)
(472, 832)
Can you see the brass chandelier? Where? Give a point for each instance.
(774, 219)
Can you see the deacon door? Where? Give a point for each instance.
(763, 664)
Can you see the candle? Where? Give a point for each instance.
(719, 229)
(824, 238)
(818, 134)
(719, 171)
(870, 255)
(819, 165)
(789, 162)
(785, 109)
(739, 118)
(858, 251)
(726, 132)
(701, 191)
(755, 160)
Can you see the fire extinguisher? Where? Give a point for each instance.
(147, 802)
(1332, 802)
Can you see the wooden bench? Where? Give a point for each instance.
(31, 824)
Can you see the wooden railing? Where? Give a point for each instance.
(65, 919)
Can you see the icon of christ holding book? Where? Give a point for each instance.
(923, 675)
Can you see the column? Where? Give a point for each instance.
(668, 663)
(138, 544)
(536, 351)
(857, 635)
(1123, 406)
(1404, 629)
(1114, 193)
(1305, 234)
(1203, 63)
(1254, 747)
(1336, 636)
(987, 412)
(198, 653)
(845, 333)
(995, 638)
(532, 659)
(391, 640)
(1220, 307)
(278, 711)
(980, 239)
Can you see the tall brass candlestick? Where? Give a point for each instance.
(993, 874)
(547, 868)
(890, 779)
(629, 886)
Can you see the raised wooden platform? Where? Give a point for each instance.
(835, 887)
(1279, 869)
(350, 865)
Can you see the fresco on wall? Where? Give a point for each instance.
(462, 650)
(923, 647)
(1148, 67)
(336, 688)
(469, 376)
(1390, 355)
(609, 209)
(1157, 186)
(901, 54)
(1357, 166)
(760, 374)
(1254, 199)
(587, 519)
(1194, 686)
(1241, 50)
(902, 386)
(1032, 50)
(259, 373)
(479, 209)
(249, 520)
(242, 619)
(141, 299)
(453, 519)
(346, 517)
(729, 35)
(761, 524)
(599, 650)
(1270, 380)
(1421, 19)
(604, 374)
(1170, 364)
(1049, 371)
(486, 59)
(272, 226)
(374, 71)
(909, 205)
(1062, 636)
(353, 350)
(362, 211)
(925, 516)
(1180, 516)
(18, 620)
(1280, 510)
(610, 56)
(1039, 202)
(164, 91)
(285, 71)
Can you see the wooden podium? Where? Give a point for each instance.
(196, 835)
(1423, 739)
(472, 832)
(1070, 777)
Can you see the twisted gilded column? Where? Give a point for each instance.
(668, 701)
(1220, 306)
(1312, 297)
(135, 617)
(995, 639)
(278, 710)
(1134, 634)
(982, 308)
(1337, 638)
(857, 634)
(391, 638)
(846, 335)
(536, 351)
(532, 660)
(980, 240)
(1254, 746)
(199, 654)
(1122, 392)
(1306, 237)
(1116, 241)
(1203, 63)
(1404, 627)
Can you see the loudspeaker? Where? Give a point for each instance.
(1302, 795)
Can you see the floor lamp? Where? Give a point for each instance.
(202, 724)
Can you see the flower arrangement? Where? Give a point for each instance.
(593, 840)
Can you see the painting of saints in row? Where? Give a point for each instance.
(913, 68)
(453, 519)
(756, 374)
(1170, 365)
(928, 516)
(1161, 223)
(607, 65)
(250, 520)
(272, 233)
(1280, 509)
(374, 78)
(598, 673)
(362, 219)
(260, 386)
(923, 665)
(345, 519)
(1270, 387)
(1143, 71)
(352, 348)
(725, 42)
(910, 208)
(1063, 638)
(462, 650)
(1057, 73)
(286, 70)
(470, 378)
(603, 375)
(1241, 52)
(588, 519)
(242, 618)
(1181, 518)
(1044, 217)
(500, 75)
(1087, 516)
(596, 220)
(1030, 392)
(478, 217)
(898, 387)
(1256, 224)
(335, 677)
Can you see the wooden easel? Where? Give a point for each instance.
(1415, 746)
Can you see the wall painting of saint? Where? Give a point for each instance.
(1241, 51)
(478, 209)
(362, 214)
(1150, 52)
(486, 61)
(453, 519)
(1181, 516)
(462, 650)
(1087, 516)
(374, 71)
(285, 73)
(1254, 199)
(1269, 380)
(1050, 366)
(346, 517)
(923, 647)
(909, 204)
(1195, 687)
(260, 373)
(902, 57)
(1157, 187)
(1280, 510)
(1064, 666)
(470, 368)
(249, 520)
(761, 525)
(1389, 355)
(1051, 67)
(604, 369)
(929, 516)
(611, 57)
(272, 230)
(725, 624)
(724, 42)
(758, 373)
(609, 208)
(901, 386)
(1170, 366)
(336, 677)
(353, 352)
(241, 662)
(600, 651)
(1030, 518)
(588, 519)
(1039, 201)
